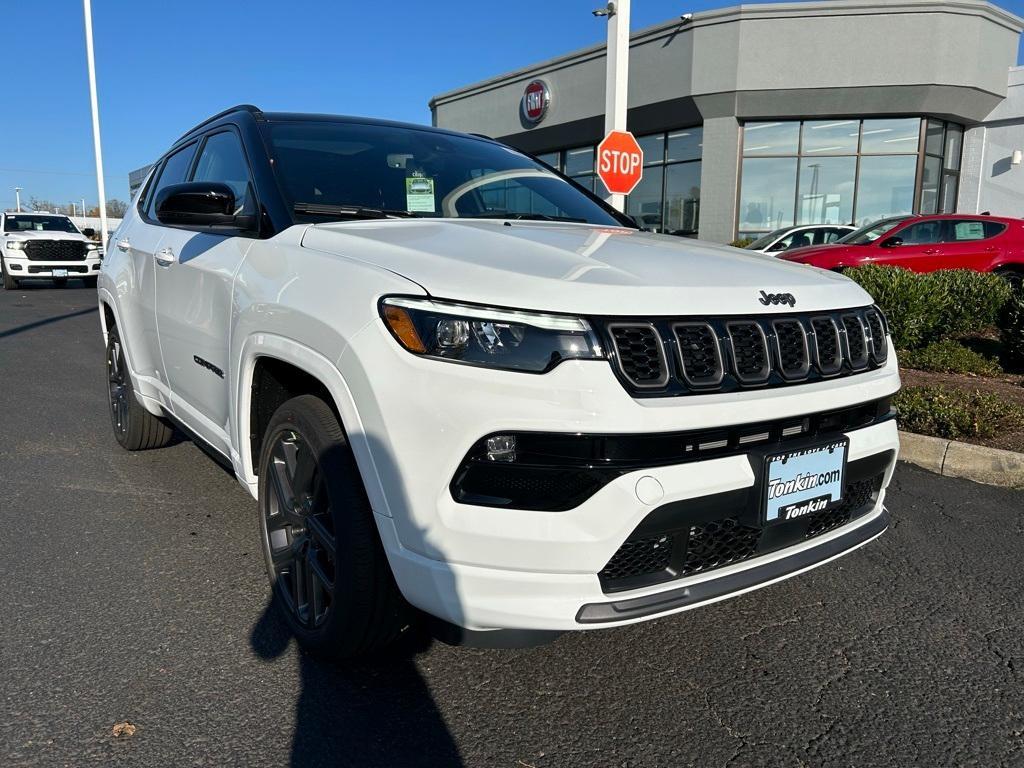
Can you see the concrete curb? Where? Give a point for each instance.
(950, 458)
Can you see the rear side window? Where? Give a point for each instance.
(174, 171)
(223, 159)
(975, 230)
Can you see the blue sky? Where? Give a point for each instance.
(164, 66)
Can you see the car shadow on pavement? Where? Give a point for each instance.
(375, 714)
(46, 321)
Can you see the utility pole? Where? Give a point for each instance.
(91, 62)
(17, 198)
(83, 207)
(616, 75)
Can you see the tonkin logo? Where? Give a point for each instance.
(777, 298)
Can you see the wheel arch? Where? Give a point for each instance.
(273, 369)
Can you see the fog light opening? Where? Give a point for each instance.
(501, 448)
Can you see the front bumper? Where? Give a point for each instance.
(484, 567)
(22, 268)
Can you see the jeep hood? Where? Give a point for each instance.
(581, 269)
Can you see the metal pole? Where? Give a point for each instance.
(617, 77)
(17, 198)
(83, 207)
(87, 7)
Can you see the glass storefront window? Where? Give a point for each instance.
(826, 190)
(930, 178)
(653, 148)
(954, 142)
(771, 138)
(767, 193)
(886, 187)
(830, 137)
(579, 161)
(885, 137)
(950, 182)
(686, 145)
(682, 198)
(933, 137)
(644, 202)
(551, 158)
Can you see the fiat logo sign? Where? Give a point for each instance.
(536, 100)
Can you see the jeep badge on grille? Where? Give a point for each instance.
(777, 298)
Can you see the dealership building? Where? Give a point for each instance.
(757, 117)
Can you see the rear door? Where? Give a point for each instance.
(195, 272)
(974, 243)
(140, 239)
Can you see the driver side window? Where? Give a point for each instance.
(922, 233)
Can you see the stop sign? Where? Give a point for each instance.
(620, 162)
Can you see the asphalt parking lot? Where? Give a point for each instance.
(133, 590)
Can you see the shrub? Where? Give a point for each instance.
(1012, 330)
(949, 357)
(925, 308)
(954, 413)
(742, 242)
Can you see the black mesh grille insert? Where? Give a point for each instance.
(638, 557)
(699, 353)
(55, 250)
(641, 357)
(750, 352)
(792, 347)
(856, 344)
(879, 347)
(826, 338)
(719, 543)
(858, 495)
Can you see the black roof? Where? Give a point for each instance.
(272, 117)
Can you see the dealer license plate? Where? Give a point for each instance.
(805, 481)
(60, 273)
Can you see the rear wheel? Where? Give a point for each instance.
(324, 557)
(135, 428)
(1015, 277)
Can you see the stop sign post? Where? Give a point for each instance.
(620, 162)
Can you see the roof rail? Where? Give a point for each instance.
(237, 108)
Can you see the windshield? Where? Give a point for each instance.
(335, 170)
(17, 223)
(765, 240)
(873, 231)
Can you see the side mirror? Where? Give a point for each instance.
(779, 246)
(892, 242)
(89, 232)
(200, 204)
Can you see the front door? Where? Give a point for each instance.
(194, 279)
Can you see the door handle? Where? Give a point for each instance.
(124, 245)
(165, 257)
(931, 250)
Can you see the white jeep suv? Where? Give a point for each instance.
(48, 246)
(468, 393)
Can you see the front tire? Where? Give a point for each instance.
(325, 561)
(10, 284)
(135, 428)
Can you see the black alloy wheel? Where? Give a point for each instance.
(117, 387)
(300, 531)
(135, 428)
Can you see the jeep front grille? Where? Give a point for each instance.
(55, 250)
(679, 356)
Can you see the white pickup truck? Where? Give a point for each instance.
(47, 246)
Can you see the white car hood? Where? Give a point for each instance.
(581, 269)
(33, 234)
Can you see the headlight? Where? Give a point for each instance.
(15, 245)
(92, 246)
(495, 338)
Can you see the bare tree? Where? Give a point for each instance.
(116, 208)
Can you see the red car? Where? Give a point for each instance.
(925, 244)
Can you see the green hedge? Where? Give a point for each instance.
(925, 308)
(1012, 330)
(955, 413)
(949, 356)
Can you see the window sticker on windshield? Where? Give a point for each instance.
(419, 194)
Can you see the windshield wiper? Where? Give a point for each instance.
(526, 217)
(350, 211)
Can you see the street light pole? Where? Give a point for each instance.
(616, 75)
(91, 60)
(17, 198)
